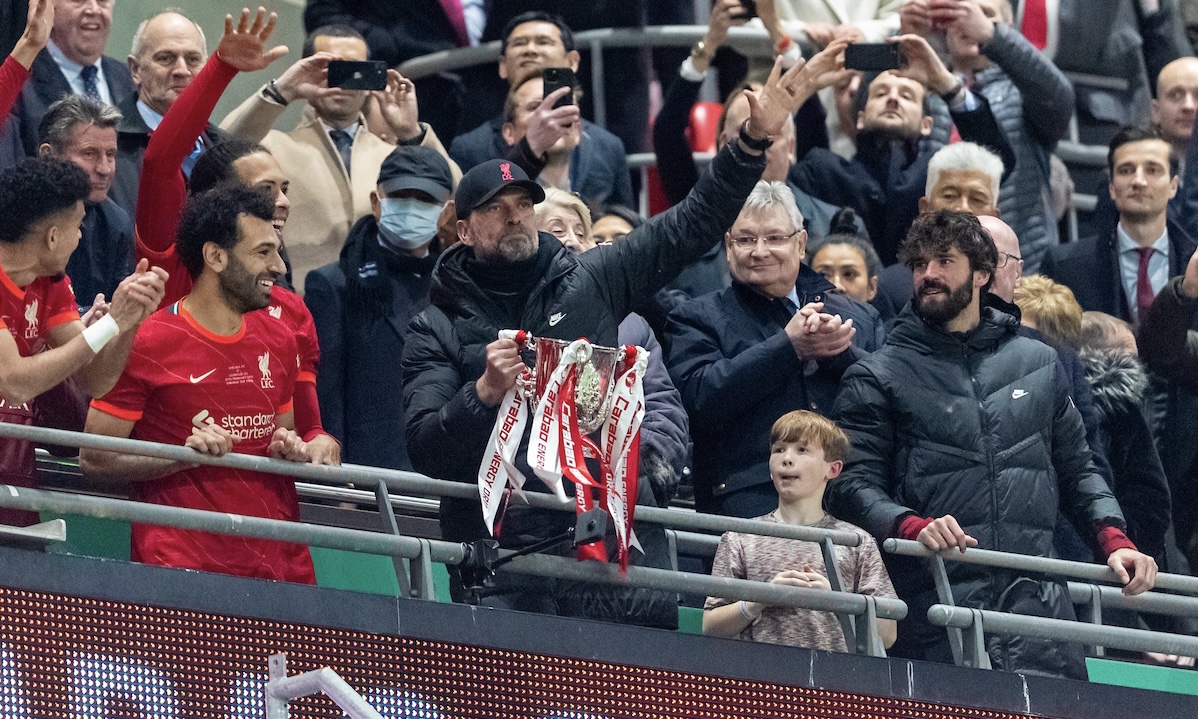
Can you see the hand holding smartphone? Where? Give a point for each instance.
(353, 75)
(873, 56)
(556, 78)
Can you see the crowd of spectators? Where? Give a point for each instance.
(860, 316)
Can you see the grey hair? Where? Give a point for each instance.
(139, 36)
(58, 124)
(965, 156)
(767, 195)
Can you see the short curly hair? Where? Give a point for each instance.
(941, 231)
(35, 190)
(213, 216)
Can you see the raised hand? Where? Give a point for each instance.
(38, 23)
(923, 64)
(915, 18)
(784, 93)
(242, 46)
(308, 78)
(548, 124)
(968, 24)
(398, 106)
(724, 14)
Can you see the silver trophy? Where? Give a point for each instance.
(593, 395)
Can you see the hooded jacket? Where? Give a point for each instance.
(1119, 387)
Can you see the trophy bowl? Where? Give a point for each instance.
(593, 395)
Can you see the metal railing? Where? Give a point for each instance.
(281, 689)
(966, 626)
(858, 614)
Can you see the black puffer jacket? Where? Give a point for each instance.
(981, 428)
(572, 296)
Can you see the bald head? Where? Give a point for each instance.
(1010, 260)
(1176, 101)
(168, 50)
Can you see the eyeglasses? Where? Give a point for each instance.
(1005, 257)
(773, 242)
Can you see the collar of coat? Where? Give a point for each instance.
(910, 330)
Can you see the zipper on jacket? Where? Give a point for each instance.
(987, 442)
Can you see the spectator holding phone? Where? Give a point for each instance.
(572, 159)
(331, 157)
(886, 178)
(1031, 100)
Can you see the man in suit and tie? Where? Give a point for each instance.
(1121, 271)
(168, 51)
(73, 62)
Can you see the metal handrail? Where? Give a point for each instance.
(452, 553)
(1063, 630)
(746, 39)
(412, 482)
(1036, 565)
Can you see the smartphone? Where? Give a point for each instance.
(749, 10)
(351, 75)
(872, 56)
(558, 77)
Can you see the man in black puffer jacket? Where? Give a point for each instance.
(502, 275)
(964, 435)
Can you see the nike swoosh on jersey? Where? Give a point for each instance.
(554, 319)
(201, 378)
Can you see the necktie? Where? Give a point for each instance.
(344, 144)
(1144, 293)
(189, 162)
(457, 18)
(90, 88)
(1035, 23)
(789, 305)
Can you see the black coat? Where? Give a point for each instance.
(132, 137)
(738, 372)
(362, 305)
(982, 428)
(448, 427)
(885, 180)
(1091, 269)
(46, 85)
(1120, 390)
(104, 256)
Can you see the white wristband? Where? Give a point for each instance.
(101, 331)
(744, 612)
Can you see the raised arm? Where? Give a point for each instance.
(15, 69)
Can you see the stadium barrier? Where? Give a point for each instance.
(858, 614)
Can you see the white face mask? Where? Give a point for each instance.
(406, 223)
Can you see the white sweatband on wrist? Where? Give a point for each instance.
(688, 71)
(100, 332)
(791, 57)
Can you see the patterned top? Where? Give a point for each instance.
(758, 558)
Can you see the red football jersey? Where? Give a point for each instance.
(287, 307)
(179, 374)
(29, 314)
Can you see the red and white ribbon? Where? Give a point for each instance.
(545, 445)
(621, 449)
(498, 468)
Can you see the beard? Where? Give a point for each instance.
(938, 309)
(240, 288)
(514, 247)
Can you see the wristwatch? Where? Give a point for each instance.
(751, 142)
(699, 51)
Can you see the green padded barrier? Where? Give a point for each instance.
(690, 620)
(92, 537)
(1142, 676)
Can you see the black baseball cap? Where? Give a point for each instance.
(484, 181)
(415, 167)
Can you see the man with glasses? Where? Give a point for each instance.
(777, 340)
